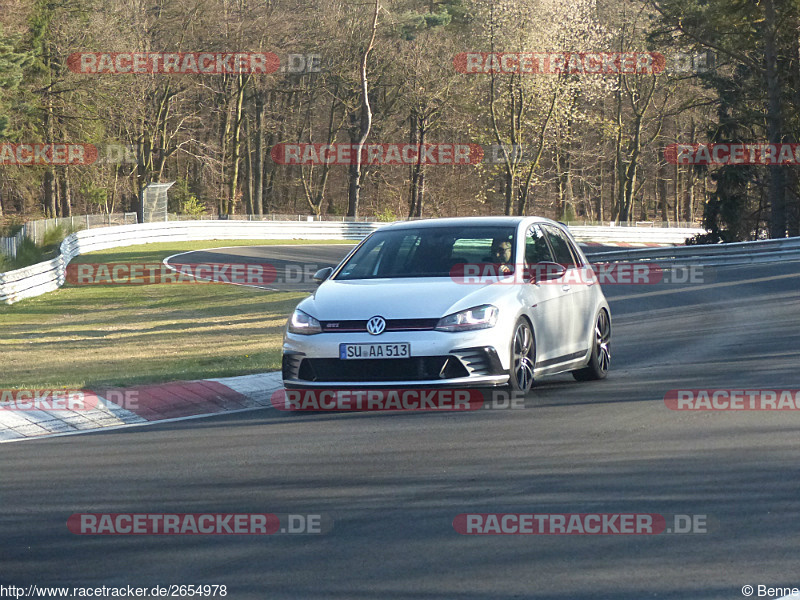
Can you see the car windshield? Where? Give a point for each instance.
(428, 251)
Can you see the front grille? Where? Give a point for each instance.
(418, 368)
(391, 325)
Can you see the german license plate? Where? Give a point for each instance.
(365, 351)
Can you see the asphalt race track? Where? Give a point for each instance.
(393, 483)
(293, 265)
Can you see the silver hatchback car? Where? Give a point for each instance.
(467, 302)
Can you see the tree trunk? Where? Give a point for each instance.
(236, 145)
(269, 180)
(114, 188)
(66, 188)
(354, 175)
(248, 167)
(49, 194)
(413, 139)
(359, 135)
(688, 204)
(418, 169)
(677, 192)
(777, 194)
(49, 174)
(793, 76)
(509, 184)
(566, 196)
(326, 168)
(141, 175)
(225, 127)
(560, 182)
(258, 168)
(619, 165)
(661, 188)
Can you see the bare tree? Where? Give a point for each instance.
(361, 122)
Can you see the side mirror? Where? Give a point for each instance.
(322, 275)
(546, 271)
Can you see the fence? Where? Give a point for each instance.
(270, 217)
(651, 224)
(370, 219)
(37, 230)
(9, 245)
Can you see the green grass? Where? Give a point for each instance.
(96, 336)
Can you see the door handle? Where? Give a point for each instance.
(565, 288)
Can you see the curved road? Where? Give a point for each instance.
(392, 484)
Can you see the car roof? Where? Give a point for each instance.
(466, 222)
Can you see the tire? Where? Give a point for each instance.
(523, 357)
(600, 360)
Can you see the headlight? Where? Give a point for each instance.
(303, 323)
(478, 317)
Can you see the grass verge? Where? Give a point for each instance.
(95, 336)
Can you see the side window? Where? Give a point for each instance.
(561, 246)
(576, 257)
(536, 248)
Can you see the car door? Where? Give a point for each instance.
(576, 287)
(585, 299)
(546, 302)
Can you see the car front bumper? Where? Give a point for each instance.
(438, 359)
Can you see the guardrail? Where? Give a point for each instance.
(48, 276)
(714, 254)
(672, 235)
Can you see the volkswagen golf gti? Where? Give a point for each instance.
(465, 302)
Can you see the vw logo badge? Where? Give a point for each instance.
(376, 325)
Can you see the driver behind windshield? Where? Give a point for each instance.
(501, 254)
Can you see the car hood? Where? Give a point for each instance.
(412, 298)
